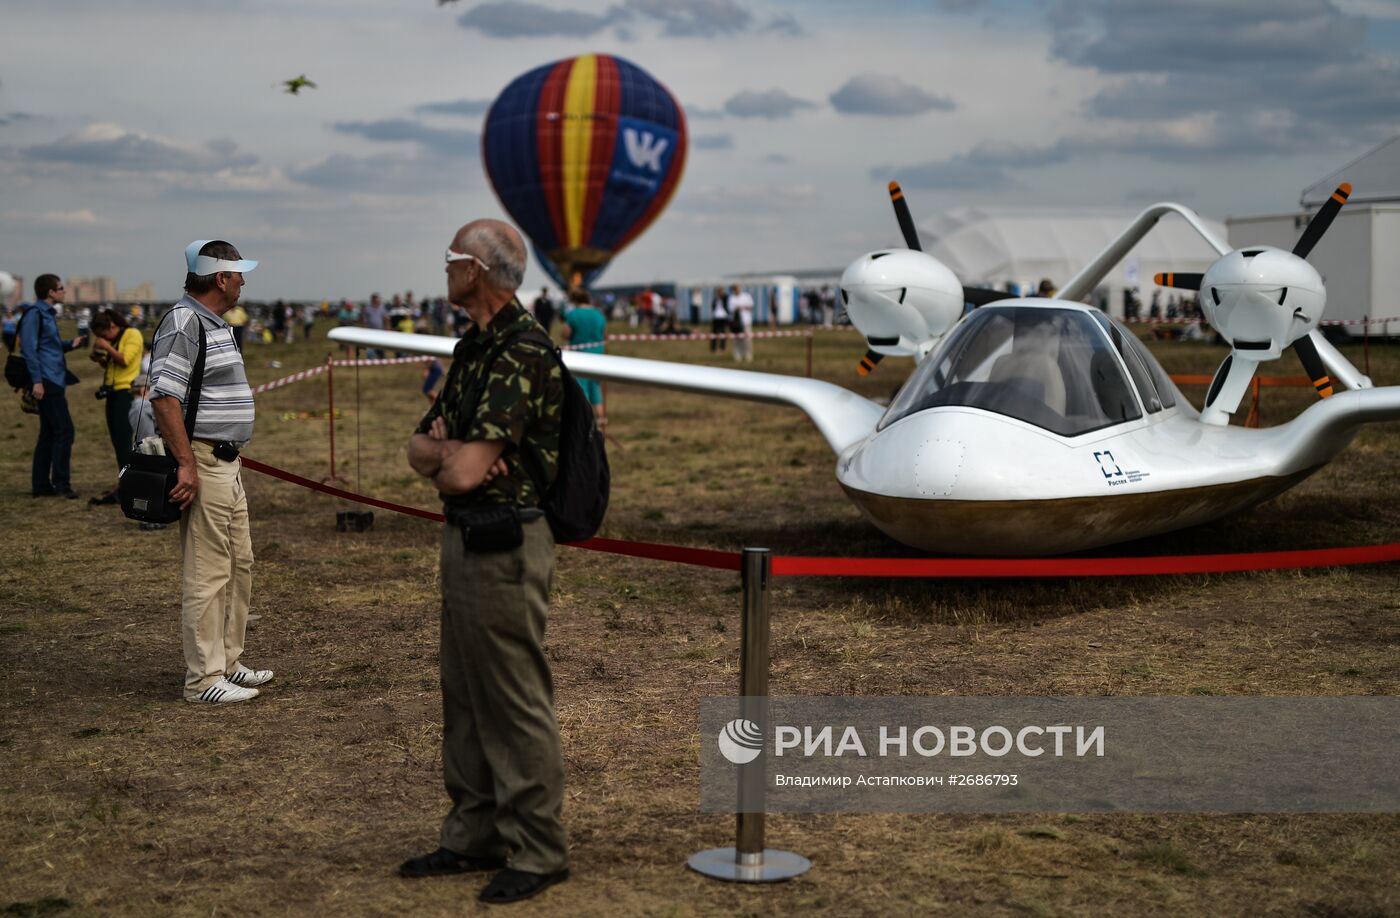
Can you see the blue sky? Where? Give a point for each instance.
(128, 129)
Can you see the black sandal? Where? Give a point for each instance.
(107, 499)
(511, 885)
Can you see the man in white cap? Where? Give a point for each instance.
(217, 550)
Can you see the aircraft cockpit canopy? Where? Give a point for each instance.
(1059, 369)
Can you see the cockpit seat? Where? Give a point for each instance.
(1038, 368)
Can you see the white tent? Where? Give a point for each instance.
(1375, 177)
(991, 247)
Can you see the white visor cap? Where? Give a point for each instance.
(204, 265)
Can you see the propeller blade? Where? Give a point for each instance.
(1322, 220)
(1312, 364)
(868, 362)
(901, 213)
(981, 296)
(1228, 388)
(1179, 281)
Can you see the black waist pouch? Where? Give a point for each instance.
(493, 527)
(144, 488)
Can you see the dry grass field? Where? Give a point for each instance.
(116, 798)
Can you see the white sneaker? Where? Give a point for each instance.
(248, 678)
(223, 692)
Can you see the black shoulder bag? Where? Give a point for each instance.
(16, 367)
(146, 481)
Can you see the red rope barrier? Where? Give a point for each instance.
(787, 566)
(1083, 567)
(699, 557)
(275, 472)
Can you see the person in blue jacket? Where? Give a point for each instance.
(43, 352)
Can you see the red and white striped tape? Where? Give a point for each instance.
(288, 380)
(803, 333)
(1378, 320)
(317, 371)
(383, 361)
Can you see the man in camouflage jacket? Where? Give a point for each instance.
(502, 763)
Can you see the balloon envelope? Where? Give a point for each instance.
(583, 154)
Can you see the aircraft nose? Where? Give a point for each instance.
(907, 460)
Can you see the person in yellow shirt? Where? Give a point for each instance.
(117, 347)
(238, 318)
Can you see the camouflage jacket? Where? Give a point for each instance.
(521, 403)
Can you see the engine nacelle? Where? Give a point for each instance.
(1262, 299)
(901, 300)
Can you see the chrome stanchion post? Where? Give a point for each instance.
(753, 689)
(749, 861)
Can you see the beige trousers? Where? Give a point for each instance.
(218, 572)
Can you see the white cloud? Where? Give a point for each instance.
(745, 198)
(413, 173)
(712, 141)
(878, 94)
(113, 148)
(533, 20)
(72, 219)
(689, 18)
(444, 142)
(463, 107)
(771, 104)
(1299, 68)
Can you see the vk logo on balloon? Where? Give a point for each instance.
(644, 149)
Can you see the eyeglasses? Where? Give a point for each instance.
(463, 256)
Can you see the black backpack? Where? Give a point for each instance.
(577, 501)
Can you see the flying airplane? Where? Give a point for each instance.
(296, 84)
(1037, 426)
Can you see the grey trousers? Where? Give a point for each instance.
(501, 759)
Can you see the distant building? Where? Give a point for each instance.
(90, 290)
(141, 293)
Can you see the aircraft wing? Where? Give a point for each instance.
(842, 416)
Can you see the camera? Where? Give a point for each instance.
(102, 392)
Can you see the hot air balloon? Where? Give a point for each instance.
(583, 154)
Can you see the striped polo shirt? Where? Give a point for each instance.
(225, 400)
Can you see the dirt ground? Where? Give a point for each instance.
(116, 798)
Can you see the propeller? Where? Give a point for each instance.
(868, 362)
(977, 296)
(1322, 220)
(894, 315)
(901, 213)
(1262, 300)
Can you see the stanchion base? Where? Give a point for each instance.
(723, 864)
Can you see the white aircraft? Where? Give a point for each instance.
(1034, 426)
